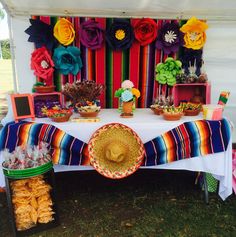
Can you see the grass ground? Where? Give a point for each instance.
(148, 203)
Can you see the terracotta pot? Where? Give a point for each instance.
(157, 111)
(88, 114)
(61, 119)
(172, 117)
(127, 107)
(44, 89)
(188, 112)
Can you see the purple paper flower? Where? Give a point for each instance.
(41, 34)
(170, 38)
(91, 34)
(192, 58)
(120, 35)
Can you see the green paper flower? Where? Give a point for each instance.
(167, 71)
(119, 92)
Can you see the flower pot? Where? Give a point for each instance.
(127, 107)
(44, 89)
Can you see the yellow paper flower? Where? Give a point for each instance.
(135, 92)
(64, 31)
(194, 33)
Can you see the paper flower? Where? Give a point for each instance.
(120, 35)
(126, 96)
(194, 33)
(167, 71)
(192, 59)
(127, 84)
(67, 60)
(91, 34)
(64, 31)
(169, 38)
(127, 92)
(135, 92)
(42, 64)
(41, 34)
(145, 31)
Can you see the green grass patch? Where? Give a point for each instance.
(148, 203)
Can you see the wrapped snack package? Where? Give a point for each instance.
(24, 157)
(32, 202)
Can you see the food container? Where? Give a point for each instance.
(189, 112)
(172, 117)
(26, 173)
(88, 114)
(157, 110)
(30, 192)
(212, 112)
(61, 119)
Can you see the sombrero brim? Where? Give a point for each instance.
(104, 135)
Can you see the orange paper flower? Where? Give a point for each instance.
(135, 92)
(64, 31)
(194, 33)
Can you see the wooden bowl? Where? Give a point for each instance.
(61, 119)
(44, 89)
(88, 114)
(189, 112)
(172, 117)
(157, 111)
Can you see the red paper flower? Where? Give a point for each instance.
(145, 31)
(42, 64)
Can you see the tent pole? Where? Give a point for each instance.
(12, 48)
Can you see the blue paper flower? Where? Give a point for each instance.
(41, 34)
(127, 95)
(67, 60)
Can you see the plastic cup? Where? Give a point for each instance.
(212, 112)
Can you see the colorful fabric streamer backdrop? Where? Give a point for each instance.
(112, 67)
(190, 139)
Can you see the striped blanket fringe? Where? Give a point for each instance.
(187, 140)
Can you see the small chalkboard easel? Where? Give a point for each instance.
(22, 106)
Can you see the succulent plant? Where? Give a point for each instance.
(82, 92)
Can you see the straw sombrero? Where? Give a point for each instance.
(115, 151)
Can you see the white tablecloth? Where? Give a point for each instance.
(148, 126)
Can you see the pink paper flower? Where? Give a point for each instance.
(127, 84)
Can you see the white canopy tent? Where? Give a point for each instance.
(219, 50)
(170, 9)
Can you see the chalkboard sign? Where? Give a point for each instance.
(22, 105)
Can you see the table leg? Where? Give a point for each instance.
(205, 188)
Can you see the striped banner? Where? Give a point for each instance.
(65, 149)
(190, 139)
